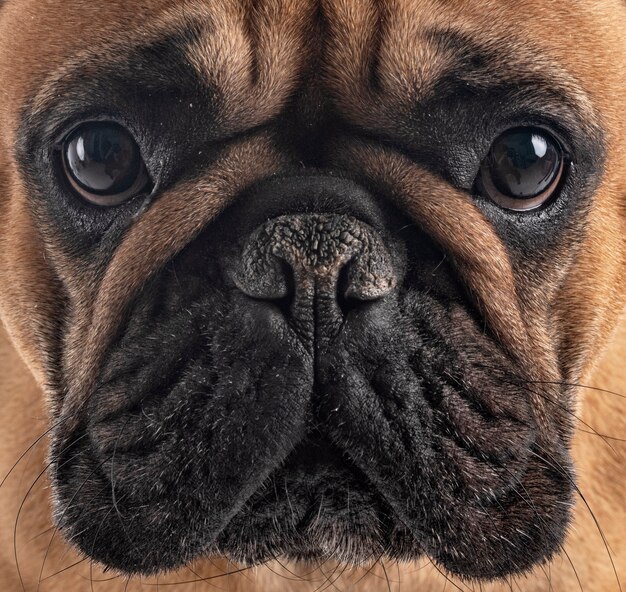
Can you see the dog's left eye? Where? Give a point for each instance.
(103, 163)
(522, 170)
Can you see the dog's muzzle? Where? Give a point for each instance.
(309, 378)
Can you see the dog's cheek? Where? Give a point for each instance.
(591, 298)
(32, 301)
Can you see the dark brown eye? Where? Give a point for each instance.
(523, 169)
(103, 164)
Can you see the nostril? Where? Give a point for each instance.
(295, 261)
(357, 286)
(285, 302)
(345, 299)
(267, 277)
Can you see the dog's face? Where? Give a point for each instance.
(312, 280)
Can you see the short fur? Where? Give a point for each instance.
(440, 420)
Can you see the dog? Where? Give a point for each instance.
(300, 294)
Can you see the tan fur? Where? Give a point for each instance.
(256, 53)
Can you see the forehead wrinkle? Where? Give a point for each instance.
(485, 63)
(221, 50)
(419, 58)
(413, 59)
(254, 55)
(408, 57)
(175, 21)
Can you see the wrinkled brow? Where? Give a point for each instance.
(176, 67)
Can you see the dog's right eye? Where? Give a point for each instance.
(103, 163)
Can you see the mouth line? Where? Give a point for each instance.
(315, 453)
(342, 515)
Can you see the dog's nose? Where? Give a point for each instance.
(302, 258)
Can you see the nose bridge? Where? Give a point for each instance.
(314, 253)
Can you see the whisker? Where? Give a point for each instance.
(23, 454)
(56, 573)
(21, 507)
(521, 382)
(67, 507)
(561, 470)
(202, 579)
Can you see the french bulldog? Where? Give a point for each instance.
(294, 288)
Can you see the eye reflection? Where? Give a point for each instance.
(522, 169)
(103, 163)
